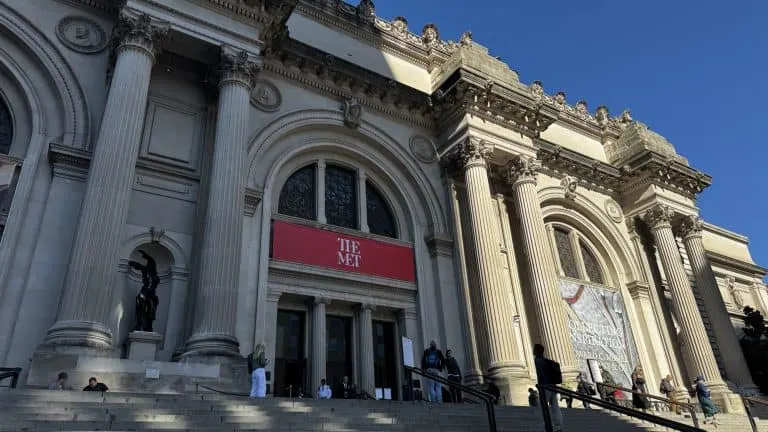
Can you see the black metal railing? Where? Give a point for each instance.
(12, 373)
(750, 402)
(485, 397)
(657, 401)
(642, 415)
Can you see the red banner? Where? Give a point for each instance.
(329, 249)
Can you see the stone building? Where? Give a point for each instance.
(314, 177)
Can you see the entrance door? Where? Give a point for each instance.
(339, 360)
(290, 362)
(384, 357)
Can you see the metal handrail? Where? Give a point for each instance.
(488, 399)
(748, 401)
(12, 373)
(661, 421)
(691, 408)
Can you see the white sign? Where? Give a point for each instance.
(349, 252)
(153, 373)
(408, 352)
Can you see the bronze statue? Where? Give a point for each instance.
(146, 300)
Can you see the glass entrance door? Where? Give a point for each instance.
(384, 357)
(290, 361)
(339, 357)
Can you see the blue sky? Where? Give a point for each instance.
(694, 71)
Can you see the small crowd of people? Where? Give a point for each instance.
(62, 383)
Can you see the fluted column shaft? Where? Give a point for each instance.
(730, 349)
(493, 292)
(551, 317)
(85, 306)
(319, 342)
(214, 319)
(701, 359)
(367, 378)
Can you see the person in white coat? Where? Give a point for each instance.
(324, 391)
(257, 361)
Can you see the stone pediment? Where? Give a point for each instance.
(638, 138)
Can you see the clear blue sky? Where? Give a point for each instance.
(694, 71)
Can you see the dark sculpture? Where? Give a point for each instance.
(146, 300)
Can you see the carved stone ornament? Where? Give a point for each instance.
(400, 25)
(353, 111)
(522, 169)
(156, 234)
(423, 149)
(560, 98)
(581, 108)
(537, 89)
(690, 226)
(569, 183)
(429, 35)
(735, 291)
(366, 11)
(602, 115)
(265, 96)
(466, 38)
(474, 151)
(140, 31)
(613, 210)
(659, 216)
(237, 66)
(81, 34)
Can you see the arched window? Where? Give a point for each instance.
(577, 260)
(6, 128)
(298, 196)
(380, 219)
(342, 199)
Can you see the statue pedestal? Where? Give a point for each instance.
(143, 345)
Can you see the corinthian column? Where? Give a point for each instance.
(551, 317)
(319, 342)
(367, 378)
(214, 319)
(493, 289)
(85, 307)
(730, 349)
(693, 336)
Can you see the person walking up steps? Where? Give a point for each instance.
(548, 372)
(433, 362)
(257, 361)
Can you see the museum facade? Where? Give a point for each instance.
(311, 176)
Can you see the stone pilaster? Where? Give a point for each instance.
(214, 319)
(85, 305)
(319, 343)
(730, 349)
(693, 336)
(367, 378)
(551, 318)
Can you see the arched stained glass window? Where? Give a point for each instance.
(591, 264)
(566, 253)
(298, 196)
(6, 128)
(380, 218)
(341, 197)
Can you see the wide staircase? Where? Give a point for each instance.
(43, 410)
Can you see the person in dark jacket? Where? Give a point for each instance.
(454, 375)
(545, 373)
(433, 363)
(95, 385)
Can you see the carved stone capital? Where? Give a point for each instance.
(639, 290)
(690, 226)
(322, 300)
(237, 68)
(522, 169)
(473, 151)
(659, 216)
(140, 32)
(440, 244)
(69, 163)
(366, 306)
(252, 200)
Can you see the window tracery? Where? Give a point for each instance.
(298, 196)
(591, 265)
(566, 254)
(380, 218)
(573, 251)
(341, 197)
(6, 128)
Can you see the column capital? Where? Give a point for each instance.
(473, 151)
(690, 226)
(68, 162)
(140, 32)
(522, 169)
(237, 67)
(274, 296)
(366, 306)
(408, 313)
(321, 300)
(440, 244)
(659, 216)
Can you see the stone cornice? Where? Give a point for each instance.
(107, 6)
(252, 199)
(317, 69)
(68, 162)
(555, 158)
(651, 168)
(735, 264)
(725, 233)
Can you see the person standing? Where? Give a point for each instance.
(584, 387)
(257, 361)
(667, 388)
(454, 375)
(548, 373)
(95, 385)
(324, 391)
(433, 362)
(707, 406)
(639, 400)
(61, 382)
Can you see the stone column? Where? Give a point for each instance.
(319, 343)
(693, 335)
(367, 378)
(494, 291)
(730, 349)
(220, 254)
(550, 315)
(85, 306)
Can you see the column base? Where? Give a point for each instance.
(513, 382)
(80, 334)
(211, 344)
(729, 402)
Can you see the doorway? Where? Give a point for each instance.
(290, 361)
(339, 355)
(384, 357)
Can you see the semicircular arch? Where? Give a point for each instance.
(137, 240)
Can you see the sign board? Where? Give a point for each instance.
(153, 373)
(339, 251)
(408, 359)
